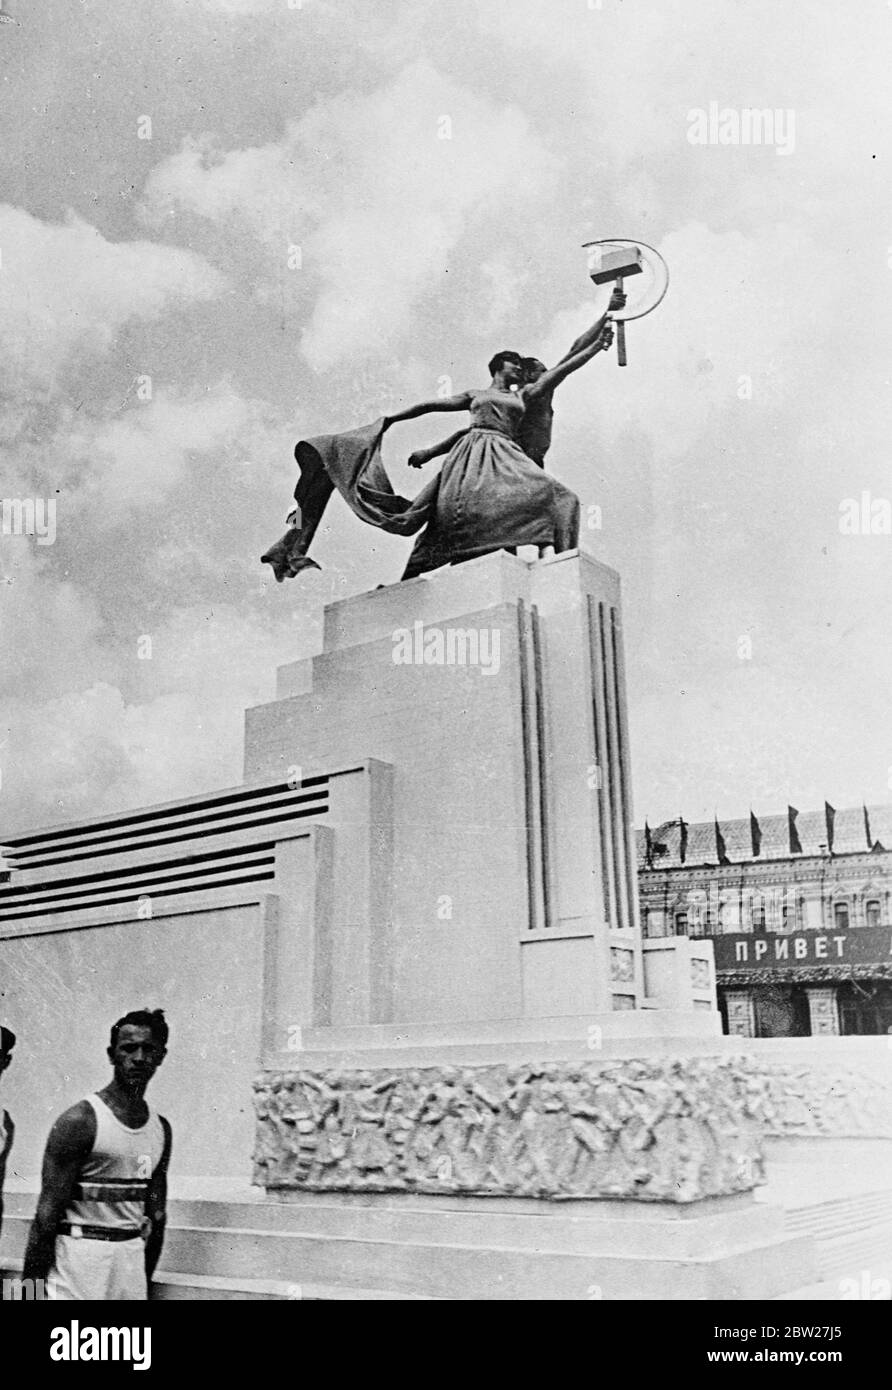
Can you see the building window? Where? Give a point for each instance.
(656, 922)
(759, 913)
(841, 916)
(681, 923)
(698, 912)
(873, 912)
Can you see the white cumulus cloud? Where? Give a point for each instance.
(65, 289)
(375, 190)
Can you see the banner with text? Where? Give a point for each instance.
(861, 946)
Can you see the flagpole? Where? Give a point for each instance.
(867, 833)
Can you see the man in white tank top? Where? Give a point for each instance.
(99, 1225)
(7, 1128)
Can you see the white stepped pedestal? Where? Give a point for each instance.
(475, 1079)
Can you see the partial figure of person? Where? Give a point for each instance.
(101, 1215)
(488, 496)
(7, 1128)
(536, 427)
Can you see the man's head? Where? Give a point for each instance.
(137, 1047)
(7, 1043)
(507, 365)
(532, 369)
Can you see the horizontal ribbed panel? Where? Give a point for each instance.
(175, 822)
(220, 841)
(162, 881)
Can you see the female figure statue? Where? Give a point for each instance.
(489, 495)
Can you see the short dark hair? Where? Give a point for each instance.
(143, 1018)
(7, 1040)
(528, 362)
(495, 364)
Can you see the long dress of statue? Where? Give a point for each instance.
(489, 495)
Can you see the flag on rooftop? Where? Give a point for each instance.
(755, 836)
(795, 842)
(721, 852)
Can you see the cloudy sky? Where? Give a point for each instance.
(227, 223)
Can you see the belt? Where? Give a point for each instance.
(68, 1228)
(111, 1190)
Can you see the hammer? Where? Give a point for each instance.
(613, 263)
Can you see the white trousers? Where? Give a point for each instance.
(107, 1270)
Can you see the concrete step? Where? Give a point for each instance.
(440, 1264)
(850, 1214)
(324, 1249)
(852, 1234)
(845, 1256)
(209, 1288)
(438, 1269)
(873, 1284)
(169, 1287)
(654, 1230)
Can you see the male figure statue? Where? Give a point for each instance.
(534, 435)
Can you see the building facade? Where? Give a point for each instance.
(799, 910)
